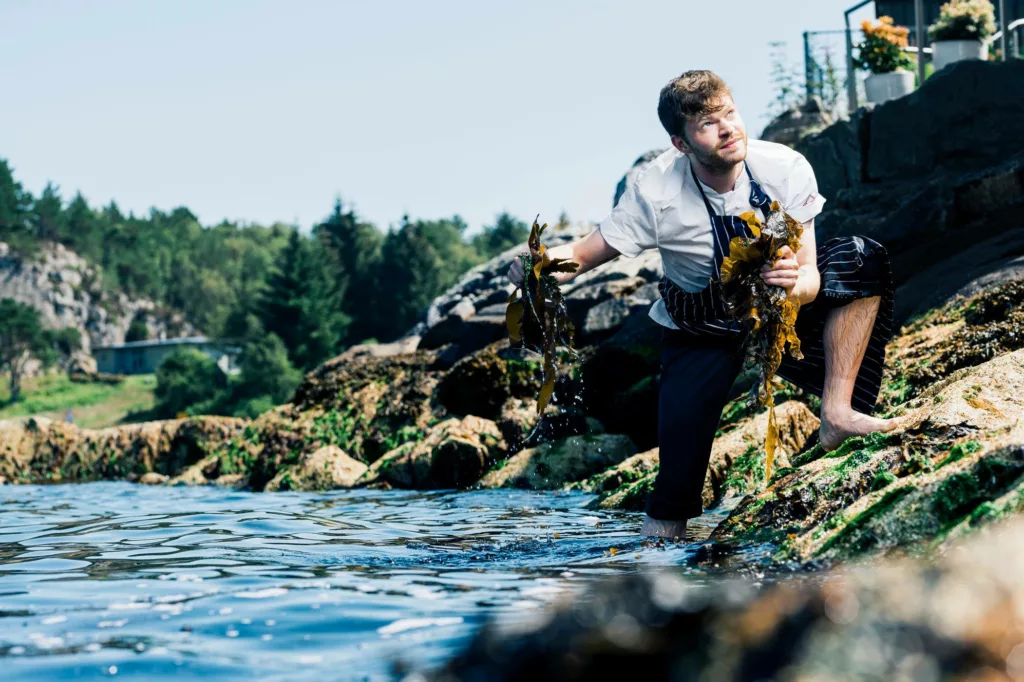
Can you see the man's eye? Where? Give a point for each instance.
(705, 124)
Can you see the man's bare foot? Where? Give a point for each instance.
(837, 428)
(663, 529)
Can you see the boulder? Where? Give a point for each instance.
(736, 466)
(83, 364)
(453, 454)
(956, 462)
(327, 468)
(153, 478)
(631, 174)
(606, 317)
(797, 122)
(519, 427)
(553, 465)
(940, 187)
(402, 346)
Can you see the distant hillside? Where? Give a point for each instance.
(290, 298)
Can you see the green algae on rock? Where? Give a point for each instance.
(553, 465)
(949, 459)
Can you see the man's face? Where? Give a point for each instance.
(718, 140)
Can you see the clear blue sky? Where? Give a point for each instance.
(264, 111)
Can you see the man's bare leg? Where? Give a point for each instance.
(847, 332)
(663, 529)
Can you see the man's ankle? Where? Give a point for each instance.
(663, 529)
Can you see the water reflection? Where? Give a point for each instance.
(108, 579)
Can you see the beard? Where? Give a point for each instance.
(717, 162)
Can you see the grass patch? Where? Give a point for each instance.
(93, 405)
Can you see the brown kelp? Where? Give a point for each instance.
(537, 318)
(769, 314)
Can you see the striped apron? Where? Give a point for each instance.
(850, 268)
(701, 360)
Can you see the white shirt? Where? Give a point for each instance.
(663, 210)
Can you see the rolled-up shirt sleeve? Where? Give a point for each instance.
(630, 227)
(803, 202)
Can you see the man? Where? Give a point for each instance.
(686, 203)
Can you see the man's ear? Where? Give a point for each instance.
(680, 144)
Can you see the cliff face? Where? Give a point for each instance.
(67, 292)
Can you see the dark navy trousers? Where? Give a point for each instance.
(696, 375)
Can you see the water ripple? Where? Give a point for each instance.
(106, 579)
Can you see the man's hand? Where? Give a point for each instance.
(784, 272)
(515, 271)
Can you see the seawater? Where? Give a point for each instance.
(116, 580)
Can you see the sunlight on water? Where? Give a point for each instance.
(105, 579)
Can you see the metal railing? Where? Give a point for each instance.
(1011, 31)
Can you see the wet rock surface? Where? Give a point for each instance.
(957, 619)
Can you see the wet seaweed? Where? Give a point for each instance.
(766, 310)
(536, 317)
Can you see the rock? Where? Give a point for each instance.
(404, 345)
(481, 383)
(153, 478)
(619, 376)
(41, 450)
(795, 123)
(631, 174)
(325, 469)
(190, 476)
(736, 465)
(836, 154)
(553, 465)
(452, 454)
(738, 457)
(68, 292)
(518, 421)
(233, 481)
(622, 475)
(942, 197)
(360, 403)
(608, 316)
(581, 298)
(956, 618)
(82, 363)
(937, 125)
(956, 463)
(467, 334)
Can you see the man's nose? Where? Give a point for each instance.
(726, 129)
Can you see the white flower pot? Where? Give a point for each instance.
(946, 52)
(882, 87)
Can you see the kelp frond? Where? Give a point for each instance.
(536, 317)
(769, 314)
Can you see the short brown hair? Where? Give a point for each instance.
(695, 93)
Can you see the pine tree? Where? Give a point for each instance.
(302, 304)
(354, 249)
(409, 277)
(48, 214)
(15, 203)
(505, 233)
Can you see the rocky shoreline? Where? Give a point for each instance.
(451, 405)
(406, 421)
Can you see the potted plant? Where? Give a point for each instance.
(961, 30)
(882, 53)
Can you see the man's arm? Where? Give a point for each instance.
(797, 273)
(589, 252)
